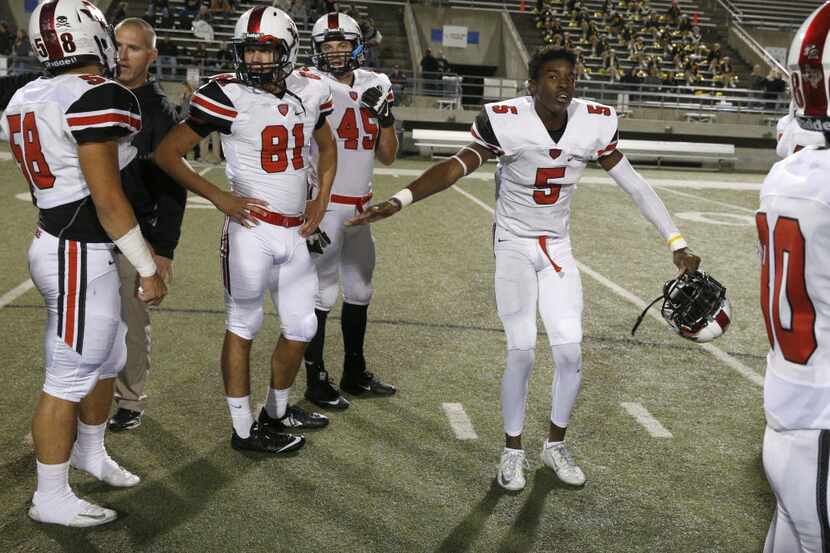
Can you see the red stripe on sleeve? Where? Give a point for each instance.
(87, 120)
(215, 108)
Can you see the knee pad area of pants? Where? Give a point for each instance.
(358, 293)
(71, 376)
(565, 331)
(244, 317)
(327, 296)
(520, 332)
(300, 328)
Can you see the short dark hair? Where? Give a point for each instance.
(544, 55)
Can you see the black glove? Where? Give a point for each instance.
(378, 103)
(318, 241)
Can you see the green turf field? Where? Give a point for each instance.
(389, 475)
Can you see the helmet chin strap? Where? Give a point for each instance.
(643, 314)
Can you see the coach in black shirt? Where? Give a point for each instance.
(158, 202)
(9, 85)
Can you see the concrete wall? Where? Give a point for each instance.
(489, 50)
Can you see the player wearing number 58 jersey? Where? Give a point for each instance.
(267, 114)
(364, 129)
(793, 223)
(543, 143)
(70, 134)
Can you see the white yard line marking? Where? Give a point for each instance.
(645, 418)
(16, 292)
(715, 351)
(702, 199)
(206, 170)
(459, 421)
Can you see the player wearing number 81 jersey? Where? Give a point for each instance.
(267, 114)
(543, 142)
(793, 223)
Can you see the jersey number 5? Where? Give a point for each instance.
(793, 336)
(28, 152)
(274, 157)
(548, 192)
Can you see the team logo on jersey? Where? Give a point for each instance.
(283, 108)
(353, 95)
(555, 153)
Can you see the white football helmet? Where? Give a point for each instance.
(340, 27)
(809, 64)
(264, 27)
(71, 33)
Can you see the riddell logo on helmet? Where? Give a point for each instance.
(819, 125)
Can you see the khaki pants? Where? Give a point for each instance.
(211, 141)
(129, 387)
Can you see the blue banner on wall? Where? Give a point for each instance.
(30, 5)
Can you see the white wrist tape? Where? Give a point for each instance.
(676, 242)
(478, 155)
(463, 165)
(404, 196)
(134, 248)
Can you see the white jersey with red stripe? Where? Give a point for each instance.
(537, 176)
(794, 233)
(266, 139)
(47, 119)
(356, 131)
(791, 137)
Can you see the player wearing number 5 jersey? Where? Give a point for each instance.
(70, 135)
(793, 223)
(543, 143)
(267, 114)
(364, 128)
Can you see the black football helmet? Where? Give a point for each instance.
(695, 306)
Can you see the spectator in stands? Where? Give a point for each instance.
(673, 13)
(633, 76)
(202, 29)
(189, 11)
(284, 5)
(168, 54)
(669, 80)
(653, 78)
(371, 40)
(757, 78)
(693, 75)
(694, 36)
(398, 80)
(119, 14)
(582, 72)
(554, 41)
(429, 70)
(727, 71)
(714, 56)
(200, 56)
(217, 6)
(6, 40)
(684, 24)
(602, 46)
(628, 32)
(161, 7)
(443, 65)
(299, 13)
(611, 67)
(224, 59)
(636, 48)
(22, 52)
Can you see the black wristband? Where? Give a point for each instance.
(387, 121)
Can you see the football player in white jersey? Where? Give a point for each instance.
(365, 129)
(793, 223)
(70, 135)
(543, 142)
(267, 114)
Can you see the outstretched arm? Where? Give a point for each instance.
(651, 207)
(439, 177)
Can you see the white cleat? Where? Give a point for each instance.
(512, 469)
(557, 457)
(110, 472)
(76, 513)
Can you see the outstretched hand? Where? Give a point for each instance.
(376, 213)
(686, 261)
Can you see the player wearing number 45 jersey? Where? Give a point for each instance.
(543, 142)
(793, 223)
(364, 128)
(267, 115)
(70, 134)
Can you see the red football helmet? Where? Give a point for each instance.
(809, 64)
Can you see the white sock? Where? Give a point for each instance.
(276, 402)
(566, 382)
(240, 409)
(52, 482)
(88, 452)
(514, 389)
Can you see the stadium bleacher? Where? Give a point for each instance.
(771, 14)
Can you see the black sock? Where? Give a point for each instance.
(353, 324)
(314, 351)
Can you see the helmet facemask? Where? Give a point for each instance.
(259, 74)
(338, 63)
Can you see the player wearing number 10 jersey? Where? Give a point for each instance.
(543, 143)
(267, 115)
(793, 223)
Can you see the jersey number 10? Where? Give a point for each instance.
(28, 152)
(797, 340)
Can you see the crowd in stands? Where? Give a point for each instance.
(15, 46)
(659, 48)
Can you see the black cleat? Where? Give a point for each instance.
(321, 391)
(124, 419)
(294, 418)
(267, 441)
(366, 383)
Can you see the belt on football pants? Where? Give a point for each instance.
(277, 219)
(357, 201)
